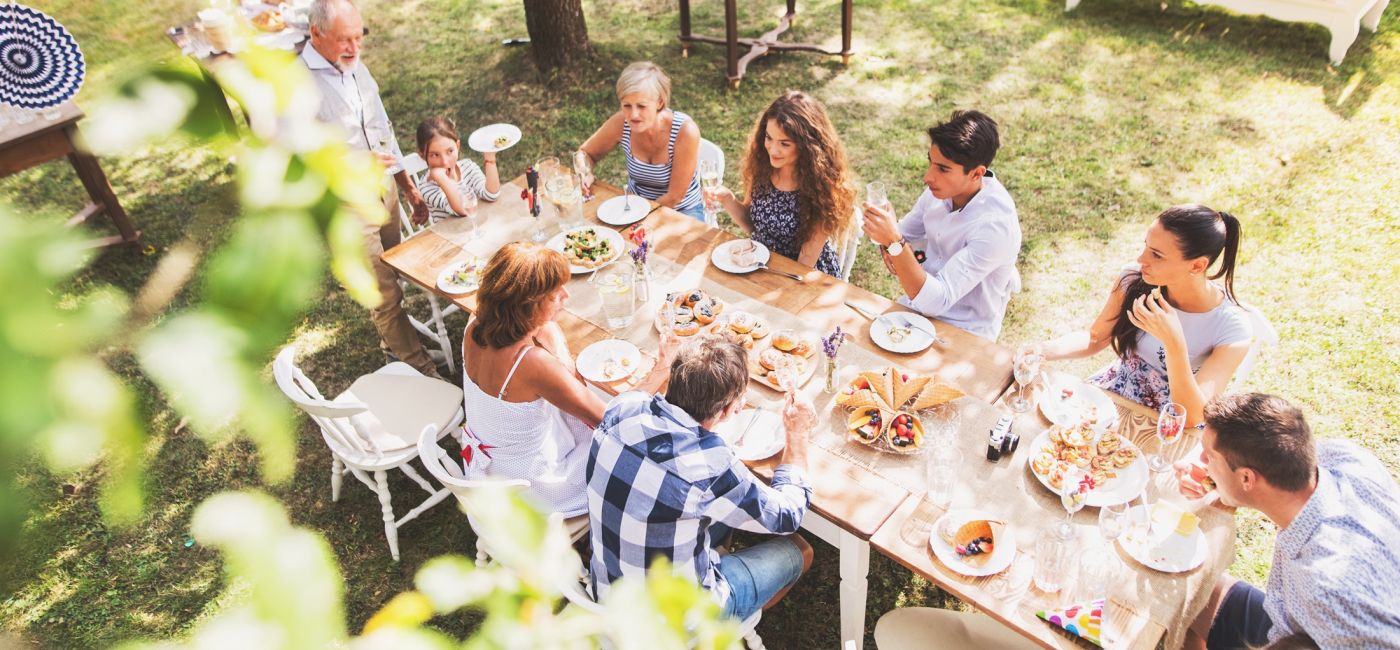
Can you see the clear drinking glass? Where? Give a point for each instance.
(1170, 424)
(943, 423)
(1113, 521)
(619, 300)
(943, 463)
(1095, 573)
(564, 192)
(878, 196)
(1051, 563)
(583, 166)
(469, 211)
(711, 178)
(1025, 368)
(1073, 492)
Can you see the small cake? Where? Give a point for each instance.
(1124, 456)
(785, 340)
(742, 253)
(692, 298)
(684, 315)
(802, 349)
(704, 311)
(760, 330)
(772, 359)
(687, 328)
(741, 322)
(1168, 515)
(1109, 443)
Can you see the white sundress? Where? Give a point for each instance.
(530, 440)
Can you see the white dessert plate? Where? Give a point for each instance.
(451, 280)
(615, 212)
(1002, 554)
(609, 360)
(723, 257)
(1164, 550)
(1068, 401)
(897, 332)
(759, 433)
(488, 139)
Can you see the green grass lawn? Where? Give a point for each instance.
(1108, 115)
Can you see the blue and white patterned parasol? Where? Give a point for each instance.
(40, 63)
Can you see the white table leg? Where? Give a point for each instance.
(855, 566)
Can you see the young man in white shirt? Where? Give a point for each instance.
(965, 226)
(350, 99)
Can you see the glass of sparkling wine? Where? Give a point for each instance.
(876, 195)
(710, 179)
(469, 211)
(1170, 424)
(583, 166)
(1024, 368)
(1073, 492)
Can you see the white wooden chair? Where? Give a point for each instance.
(927, 628)
(711, 151)
(846, 252)
(1265, 336)
(575, 594)
(373, 427)
(434, 329)
(446, 468)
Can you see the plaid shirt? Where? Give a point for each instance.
(657, 480)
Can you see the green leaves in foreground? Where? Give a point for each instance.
(295, 591)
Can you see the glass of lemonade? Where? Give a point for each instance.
(619, 300)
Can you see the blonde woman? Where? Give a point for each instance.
(661, 145)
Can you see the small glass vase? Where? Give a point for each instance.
(641, 283)
(830, 387)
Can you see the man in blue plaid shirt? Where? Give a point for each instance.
(662, 484)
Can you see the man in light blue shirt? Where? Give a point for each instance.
(965, 226)
(1335, 576)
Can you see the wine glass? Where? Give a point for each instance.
(710, 178)
(1170, 424)
(469, 211)
(1113, 521)
(583, 166)
(1025, 367)
(1073, 492)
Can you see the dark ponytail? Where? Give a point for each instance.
(1199, 232)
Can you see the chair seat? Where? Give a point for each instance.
(927, 628)
(400, 406)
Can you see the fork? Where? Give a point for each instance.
(763, 266)
(938, 340)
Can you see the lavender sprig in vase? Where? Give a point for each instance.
(831, 344)
(641, 282)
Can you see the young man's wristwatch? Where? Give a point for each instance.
(895, 248)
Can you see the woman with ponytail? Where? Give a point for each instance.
(1177, 328)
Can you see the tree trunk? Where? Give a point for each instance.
(558, 33)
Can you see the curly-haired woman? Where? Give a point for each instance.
(799, 195)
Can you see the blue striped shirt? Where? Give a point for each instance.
(651, 181)
(657, 480)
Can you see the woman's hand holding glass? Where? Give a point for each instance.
(583, 166)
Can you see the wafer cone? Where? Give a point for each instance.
(882, 384)
(935, 393)
(906, 390)
(861, 417)
(971, 530)
(859, 399)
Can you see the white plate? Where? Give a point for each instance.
(445, 283)
(761, 440)
(723, 260)
(612, 211)
(1125, 487)
(1002, 555)
(557, 243)
(916, 341)
(483, 140)
(593, 361)
(1164, 550)
(1084, 400)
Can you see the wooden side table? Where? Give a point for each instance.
(25, 145)
(736, 65)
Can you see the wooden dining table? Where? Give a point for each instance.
(851, 498)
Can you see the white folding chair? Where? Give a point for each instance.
(373, 427)
(1265, 336)
(575, 594)
(435, 329)
(446, 469)
(850, 246)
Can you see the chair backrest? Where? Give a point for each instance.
(1265, 336)
(711, 151)
(418, 169)
(336, 419)
(846, 251)
(445, 469)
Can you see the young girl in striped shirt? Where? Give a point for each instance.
(453, 184)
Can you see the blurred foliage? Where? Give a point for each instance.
(303, 192)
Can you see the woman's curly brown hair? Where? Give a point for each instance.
(517, 280)
(825, 194)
